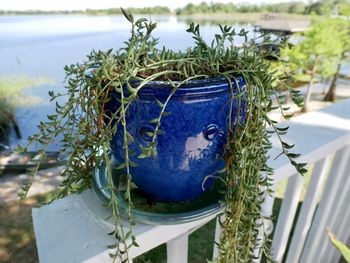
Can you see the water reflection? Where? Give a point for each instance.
(42, 45)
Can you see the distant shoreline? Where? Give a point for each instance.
(203, 17)
(244, 17)
(112, 11)
(285, 10)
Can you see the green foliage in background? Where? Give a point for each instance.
(328, 7)
(322, 7)
(160, 10)
(344, 9)
(320, 46)
(319, 53)
(11, 96)
(111, 11)
(211, 8)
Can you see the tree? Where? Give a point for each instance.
(189, 9)
(327, 7)
(344, 9)
(342, 27)
(315, 56)
(203, 7)
(297, 8)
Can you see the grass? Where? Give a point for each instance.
(17, 240)
(11, 97)
(11, 88)
(200, 247)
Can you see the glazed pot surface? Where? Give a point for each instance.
(189, 153)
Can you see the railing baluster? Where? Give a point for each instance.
(343, 233)
(338, 215)
(177, 249)
(217, 235)
(317, 234)
(307, 211)
(267, 226)
(286, 216)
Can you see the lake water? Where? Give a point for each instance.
(40, 46)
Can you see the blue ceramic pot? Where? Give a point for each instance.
(190, 152)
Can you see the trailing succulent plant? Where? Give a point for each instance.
(84, 129)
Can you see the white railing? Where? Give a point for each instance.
(74, 230)
(323, 138)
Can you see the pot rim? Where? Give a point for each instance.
(193, 88)
(193, 82)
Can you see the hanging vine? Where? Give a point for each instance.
(86, 129)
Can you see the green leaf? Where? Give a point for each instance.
(190, 29)
(141, 20)
(282, 128)
(120, 166)
(129, 137)
(160, 132)
(221, 170)
(288, 146)
(134, 243)
(154, 120)
(293, 155)
(144, 155)
(113, 246)
(128, 16)
(149, 134)
(343, 249)
(133, 164)
(165, 113)
(161, 105)
(130, 89)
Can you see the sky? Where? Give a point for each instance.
(104, 4)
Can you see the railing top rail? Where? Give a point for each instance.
(315, 135)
